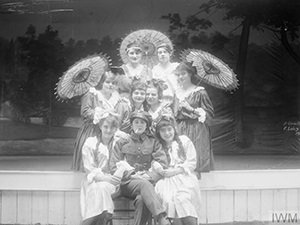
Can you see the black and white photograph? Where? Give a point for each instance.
(149, 112)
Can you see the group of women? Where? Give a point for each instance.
(146, 137)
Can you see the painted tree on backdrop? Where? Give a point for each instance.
(32, 64)
(279, 16)
(43, 55)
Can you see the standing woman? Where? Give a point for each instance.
(133, 69)
(98, 185)
(164, 70)
(179, 190)
(103, 97)
(194, 112)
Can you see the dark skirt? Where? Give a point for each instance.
(87, 130)
(199, 133)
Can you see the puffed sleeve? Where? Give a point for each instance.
(87, 107)
(189, 165)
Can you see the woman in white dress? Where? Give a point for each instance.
(179, 189)
(98, 185)
(164, 70)
(133, 69)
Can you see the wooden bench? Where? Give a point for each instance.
(52, 197)
(124, 212)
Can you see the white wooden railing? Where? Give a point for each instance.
(48, 197)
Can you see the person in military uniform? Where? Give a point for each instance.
(141, 150)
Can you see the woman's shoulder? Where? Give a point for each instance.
(197, 91)
(174, 65)
(184, 139)
(91, 142)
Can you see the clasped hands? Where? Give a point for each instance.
(169, 172)
(198, 111)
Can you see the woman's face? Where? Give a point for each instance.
(107, 130)
(152, 96)
(167, 133)
(134, 55)
(139, 126)
(138, 96)
(183, 77)
(163, 55)
(109, 85)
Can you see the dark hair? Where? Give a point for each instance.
(117, 70)
(188, 67)
(137, 85)
(166, 46)
(181, 152)
(158, 85)
(133, 45)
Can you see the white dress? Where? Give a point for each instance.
(167, 75)
(180, 194)
(95, 197)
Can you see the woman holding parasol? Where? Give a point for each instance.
(103, 97)
(195, 110)
(195, 107)
(133, 68)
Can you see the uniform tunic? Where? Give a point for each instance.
(139, 151)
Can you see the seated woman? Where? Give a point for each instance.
(137, 95)
(102, 97)
(154, 103)
(179, 190)
(140, 150)
(98, 185)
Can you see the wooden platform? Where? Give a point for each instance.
(48, 197)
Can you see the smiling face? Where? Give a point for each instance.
(139, 126)
(108, 129)
(163, 55)
(134, 55)
(110, 84)
(183, 77)
(152, 96)
(138, 96)
(167, 133)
